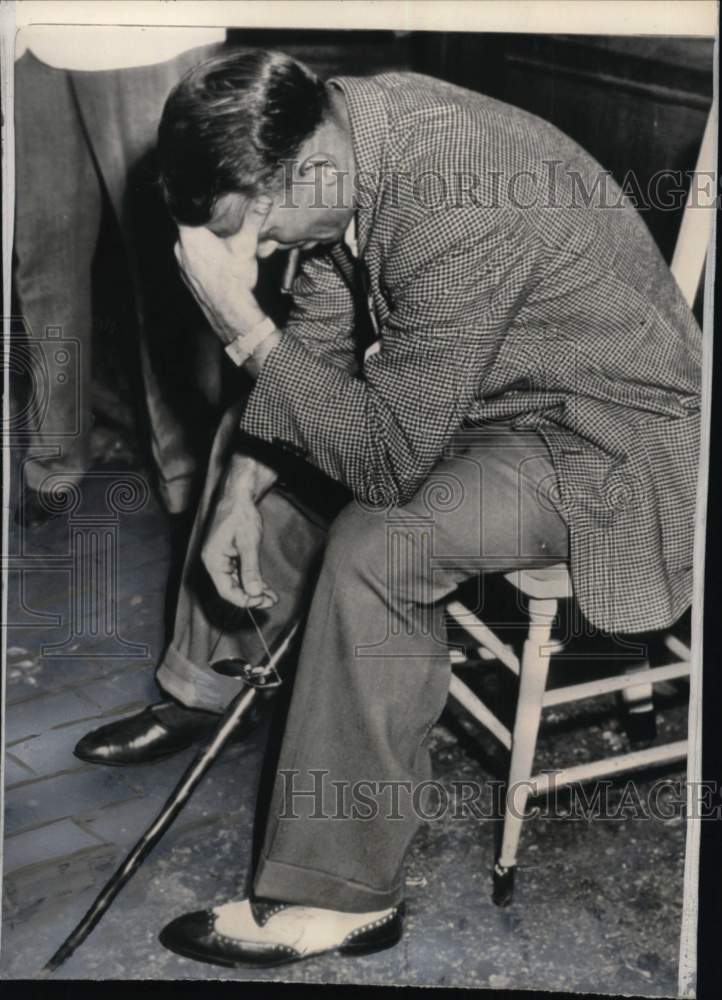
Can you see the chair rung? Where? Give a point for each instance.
(541, 784)
(605, 685)
(483, 634)
(676, 646)
(478, 709)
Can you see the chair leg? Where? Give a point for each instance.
(532, 684)
(638, 705)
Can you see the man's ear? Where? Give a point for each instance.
(318, 165)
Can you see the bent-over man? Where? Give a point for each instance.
(534, 397)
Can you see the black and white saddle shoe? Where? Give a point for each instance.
(263, 934)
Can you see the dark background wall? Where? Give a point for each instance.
(636, 104)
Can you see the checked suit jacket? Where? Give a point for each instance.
(511, 281)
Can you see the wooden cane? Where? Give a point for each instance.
(256, 678)
(173, 805)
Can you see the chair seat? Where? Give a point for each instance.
(543, 582)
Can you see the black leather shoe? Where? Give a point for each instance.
(158, 731)
(196, 935)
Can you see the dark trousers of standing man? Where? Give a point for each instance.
(373, 672)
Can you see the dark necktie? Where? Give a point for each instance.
(354, 273)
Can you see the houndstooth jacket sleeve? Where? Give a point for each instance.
(322, 314)
(382, 434)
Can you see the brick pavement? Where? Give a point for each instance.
(54, 802)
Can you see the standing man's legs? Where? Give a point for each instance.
(57, 219)
(120, 110)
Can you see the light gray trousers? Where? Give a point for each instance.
(78, 134)
(373, 673)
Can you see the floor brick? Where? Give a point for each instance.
(230, 785)
(47, 592)
(135, 684)
(45, 843)
(52, 751)
(125, 822)
(41, 674)
(62, 796)
(15, 772)
(156, 780)
(37, 715)
(39, 894)
(37, 590)
(111, 652)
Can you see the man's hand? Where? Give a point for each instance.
(231, 554)
(222, 273)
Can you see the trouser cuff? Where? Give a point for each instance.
(194, 686)
(308, 887)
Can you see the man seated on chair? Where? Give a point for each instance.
(534, 399)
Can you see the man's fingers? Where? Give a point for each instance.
(182, 266)
(231, 557)
(246, 239)
(256, 213)
(258, 593)
(222, 570)
(251, 579)
(196, 237)
(227, 587)
(198, 247)
(230, 590)
(269, 598)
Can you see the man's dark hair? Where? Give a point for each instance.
(228, 125)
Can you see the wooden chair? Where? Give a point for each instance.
(543, 589)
